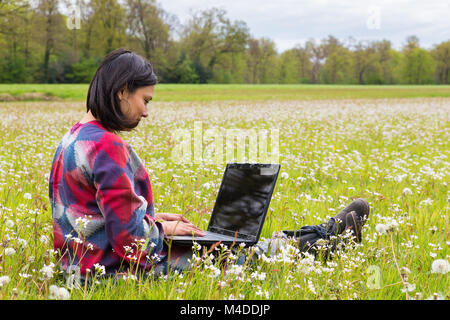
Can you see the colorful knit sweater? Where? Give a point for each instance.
(102, 203)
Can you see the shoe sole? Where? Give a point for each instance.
(355, 223)
(366, 206)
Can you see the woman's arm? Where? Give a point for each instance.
(124, 211)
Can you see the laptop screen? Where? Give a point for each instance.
(243, 199)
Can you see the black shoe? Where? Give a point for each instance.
(354, 224)
(361, 208)
(338, 224)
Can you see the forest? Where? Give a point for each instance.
(63, 41)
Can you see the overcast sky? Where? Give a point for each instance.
(290, 22)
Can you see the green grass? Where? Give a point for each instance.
(245, 92)
(332, 151)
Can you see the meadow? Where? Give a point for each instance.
(242, 92)
(388, 145)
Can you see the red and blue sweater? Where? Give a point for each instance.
(102, 203)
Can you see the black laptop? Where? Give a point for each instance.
(241, 205)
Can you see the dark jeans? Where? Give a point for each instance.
(305, 238)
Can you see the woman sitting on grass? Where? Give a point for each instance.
(100, 193)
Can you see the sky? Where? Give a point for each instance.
(292, 22)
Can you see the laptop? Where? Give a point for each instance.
(241, 205)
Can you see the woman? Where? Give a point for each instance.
(101, 196)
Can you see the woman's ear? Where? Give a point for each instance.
(123, 92)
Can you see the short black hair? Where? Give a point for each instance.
(120, 68)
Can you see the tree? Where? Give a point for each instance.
(13, 29)
(107, 23)
(303, 56)
(262, 61)
(146, 24)
(317, 57)
(383, 72)
(364, 58)
(209, 36)
(441, 54)
(48, 9)
(418, 66)
(337, 66)
(289, 67)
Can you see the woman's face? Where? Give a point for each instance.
(135, 105)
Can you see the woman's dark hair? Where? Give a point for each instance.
(119, 69)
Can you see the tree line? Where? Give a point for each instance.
(41, 44)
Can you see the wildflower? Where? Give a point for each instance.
(23, 243)
(9, 251)
(43, 239)
(433, 229)
(439, 266)
(381, 228)
(405, 271)
(128, 249)
(99, 269)
(258, 276)
(392, 225)
(436, 296)
(4, 280)
(24, 275)
(406, 191)
(58, 293)
(215, 271)
(27, 196)
(9, 223)
(262, 293)
(284, 175)
(311, 287)
(78, 240)
(47, 271)
(206, 185)
(409, 287)
(427, 201)
(196, 246)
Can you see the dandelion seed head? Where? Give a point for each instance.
(440, 266)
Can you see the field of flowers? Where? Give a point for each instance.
(393, 152)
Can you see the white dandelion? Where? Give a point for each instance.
(9, 223)
(206, 185)
(4, 280)
(47, 271)
(9, 251)
(439, 266)
(284, 175)
(381, 228)
(406, 191)
(58, 293)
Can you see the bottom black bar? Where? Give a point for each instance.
(222, 309)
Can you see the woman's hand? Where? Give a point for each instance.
(177, 225)
(180, 228)
(171, 217)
